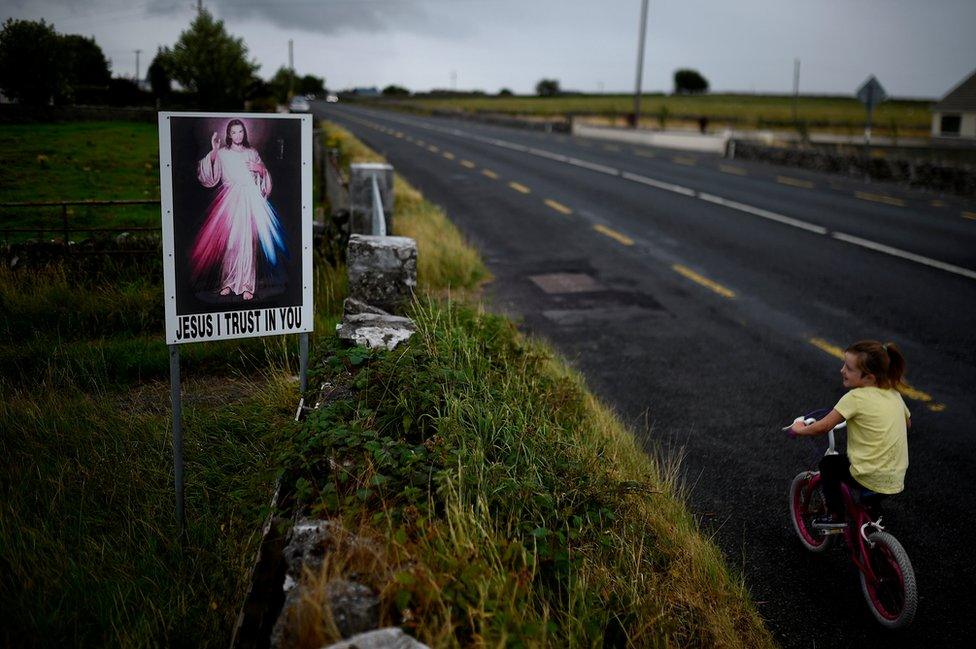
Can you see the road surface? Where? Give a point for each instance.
(706, 300)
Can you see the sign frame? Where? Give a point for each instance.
(258, 318)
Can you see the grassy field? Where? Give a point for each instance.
(838, 114)
(78, 161)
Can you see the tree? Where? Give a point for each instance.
(395, 91)
(30, 69)
(689, 82)
(212, 64)
(547, 87)
(505, 92)
(311, 85)
(159, 76)
(84, 63)
(281, 84)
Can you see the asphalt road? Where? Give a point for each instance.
(706, 301)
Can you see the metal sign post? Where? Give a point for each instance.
(175, 395)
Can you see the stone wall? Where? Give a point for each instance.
(917, 173)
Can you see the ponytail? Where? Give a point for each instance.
(885, 361)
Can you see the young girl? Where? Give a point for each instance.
(877, 425)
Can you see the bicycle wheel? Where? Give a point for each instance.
(807, 504)
(893, 595)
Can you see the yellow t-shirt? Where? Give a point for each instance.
(877, 437)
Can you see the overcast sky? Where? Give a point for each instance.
(915, 48)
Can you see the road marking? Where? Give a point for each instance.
(823, 345)
(904, 254)
(731, 169)
(491, 174)
(718, 200)
(703, 281)
(420, 142)
(613, 234)
(448, 155)
(937, 203)
(559, 207)
(683, 160)
(969, 215)
(880, 198)
(905, 388)
(468, 164)
(677, 189)
(611, 147)
(766, 214)
(433, 149)
(794, 182)
(519, 187)
(644, 154)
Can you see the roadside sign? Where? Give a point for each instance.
(871, 93)
(236, 194)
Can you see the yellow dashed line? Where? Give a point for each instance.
(491, 174)
(937, 203)
(794, 182)
(468, 164)
(613, 234)
(969, 215)
(584, 144)
(880, 198)
(448, 155)
(730, 169)
(433, 149)
(643, 154)
(611, 147)
(559, 207)
(823, 345)
(909, 391)
(704, 281)
(519, 187)
(682, 160)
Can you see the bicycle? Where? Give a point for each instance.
(887, 578)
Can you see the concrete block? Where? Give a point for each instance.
(361, 197)
(382, 270)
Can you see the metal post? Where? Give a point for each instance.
(379, 220)
(175, 398)
(640, 63)
(64, 222)
(303, 361)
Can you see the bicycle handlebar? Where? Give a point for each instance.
(830, 433)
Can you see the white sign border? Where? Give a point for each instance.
(168, 237)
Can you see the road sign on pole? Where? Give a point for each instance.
(871, 94)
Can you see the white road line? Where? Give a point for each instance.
(766, 214)
(677, 189)
(710, 198)
(904, 254)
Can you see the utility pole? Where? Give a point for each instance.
(137, 65)
(199, 7)
(291, 68)
(796, 86)
(640, 62)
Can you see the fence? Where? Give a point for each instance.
(63, 225)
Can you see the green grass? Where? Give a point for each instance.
(841, 114)
(79, 161)
(510, 506)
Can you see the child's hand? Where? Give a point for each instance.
(796, 428)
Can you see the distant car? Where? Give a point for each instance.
(299, 105)
(331, 99)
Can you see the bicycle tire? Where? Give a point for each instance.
(895, 608)
(802, 514)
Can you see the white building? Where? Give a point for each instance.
(955, 114)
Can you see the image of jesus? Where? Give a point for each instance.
(241, 231)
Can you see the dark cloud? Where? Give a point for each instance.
(328, 16)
